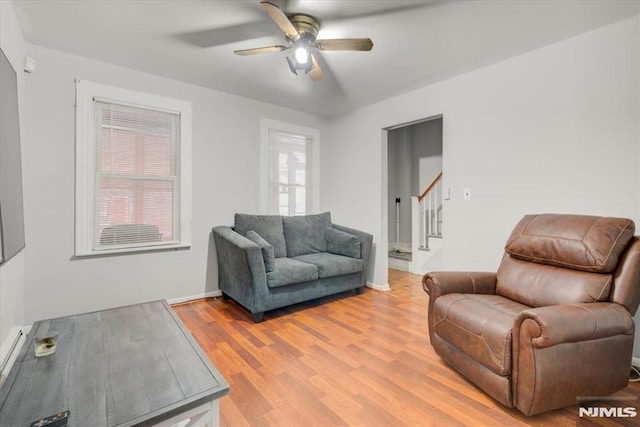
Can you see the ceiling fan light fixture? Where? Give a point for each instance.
(301, 55)
(296, 66)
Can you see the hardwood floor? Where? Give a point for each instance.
(356, 360)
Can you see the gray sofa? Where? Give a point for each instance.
(271, 261)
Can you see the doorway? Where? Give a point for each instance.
(413, 164)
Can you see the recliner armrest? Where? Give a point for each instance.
(464, 282)
(561, 352)
(441, 283)
(557, 324)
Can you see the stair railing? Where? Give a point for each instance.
(430, 211)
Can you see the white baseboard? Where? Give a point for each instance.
(180, 300)
(635, 361)
(377, 287)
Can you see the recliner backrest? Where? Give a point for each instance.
(626, 278)
(564, 259)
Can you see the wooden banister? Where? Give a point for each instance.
(430, 186)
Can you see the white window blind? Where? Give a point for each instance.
(136, 180)
(290, 161)
(132, 179)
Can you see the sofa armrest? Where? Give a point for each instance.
(366, 241)
(241, 270)
(463, 282)
(559, 324)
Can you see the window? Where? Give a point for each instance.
(289, 178)
(133, 161)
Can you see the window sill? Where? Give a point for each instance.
(130, 251)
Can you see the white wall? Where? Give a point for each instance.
(554, 130)
(226, 135)
(400, 173)
(429, 167)
(428, 154)
(12, 272)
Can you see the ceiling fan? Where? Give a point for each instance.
(300, 31)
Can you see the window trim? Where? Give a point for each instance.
(85, 147)
(314, 135)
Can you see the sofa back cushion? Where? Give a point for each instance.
(269, 227)
(562, 259)
(306, 234)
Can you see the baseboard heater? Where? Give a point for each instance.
(10, 352)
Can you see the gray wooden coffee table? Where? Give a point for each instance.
(128, 366)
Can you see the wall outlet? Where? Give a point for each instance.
(467, 194)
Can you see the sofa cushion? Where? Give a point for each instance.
(289, 271)
(306, 234)
(265, 247)
(341, 243)
(269, 227)
(479, 325)
(330, 265)
(578, 242)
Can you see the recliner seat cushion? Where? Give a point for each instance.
(289, 271)
(480, 326)
(331, 265)
(578, 242)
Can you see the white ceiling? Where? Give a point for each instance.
(416, 43)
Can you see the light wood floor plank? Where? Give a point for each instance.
(350, 360)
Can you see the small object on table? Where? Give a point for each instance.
(61, 419)
(46, 345)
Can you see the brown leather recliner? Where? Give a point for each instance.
(554, 324)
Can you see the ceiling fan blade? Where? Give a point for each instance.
(281, 20)
(256, 50)
(345, 44)
(316, 72)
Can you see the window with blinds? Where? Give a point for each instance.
(132, 183)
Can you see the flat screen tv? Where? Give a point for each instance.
(11, 206)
